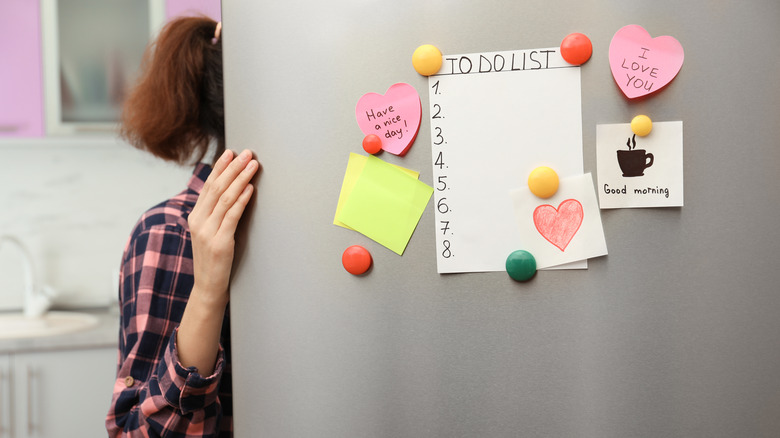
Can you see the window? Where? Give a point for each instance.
(91, 53)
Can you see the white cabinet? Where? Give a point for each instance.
(56, 394)
(6, 397)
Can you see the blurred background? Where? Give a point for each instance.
(69, 188)
(70, 192)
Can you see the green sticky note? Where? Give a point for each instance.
(354, 168)
(385, 204)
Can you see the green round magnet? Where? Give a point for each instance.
(521, 265)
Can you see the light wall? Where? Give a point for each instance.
(74, 201)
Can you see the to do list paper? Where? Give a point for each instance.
(496, 116)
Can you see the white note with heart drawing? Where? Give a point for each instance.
(496, 116)
(563, 228)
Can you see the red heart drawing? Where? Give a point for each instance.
(559, 225)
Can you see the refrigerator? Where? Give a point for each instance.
(673, 333)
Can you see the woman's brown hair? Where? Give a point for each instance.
(176, 107)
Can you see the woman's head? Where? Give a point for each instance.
(176, 108)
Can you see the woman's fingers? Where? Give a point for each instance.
(225, 171)
(207, 200)
(221, 164)
(235, 187)
(222, 190)
(233, 214)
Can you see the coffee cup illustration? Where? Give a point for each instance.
(633, 162)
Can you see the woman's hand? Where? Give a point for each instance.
(214, 219)
(213, 224)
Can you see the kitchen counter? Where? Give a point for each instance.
(105, 334)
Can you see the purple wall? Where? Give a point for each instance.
(21, 82)
(211, 8)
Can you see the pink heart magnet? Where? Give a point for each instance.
(642, 64)
(559, 225)
(394, 117)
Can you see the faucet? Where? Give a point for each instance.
(36, 300)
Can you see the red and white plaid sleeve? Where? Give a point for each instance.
(154, 395)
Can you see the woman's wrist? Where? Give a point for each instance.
(211, 298)
(200, 330)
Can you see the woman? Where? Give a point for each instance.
(173, 373)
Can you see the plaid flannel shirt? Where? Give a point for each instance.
(154, 395)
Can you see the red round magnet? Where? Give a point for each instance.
(356, 260)
(576, 49)
(372, 144)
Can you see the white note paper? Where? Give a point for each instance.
(496, 116)
(653, 179)
(564, 228)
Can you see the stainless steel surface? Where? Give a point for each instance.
(673, 334)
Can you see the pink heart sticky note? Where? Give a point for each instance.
(394, 117)
(642, 64)
(559, 225)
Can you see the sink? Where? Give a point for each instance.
(16, 325)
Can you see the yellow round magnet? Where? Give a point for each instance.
(543, 182)
(426, 59)
(641, 125)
